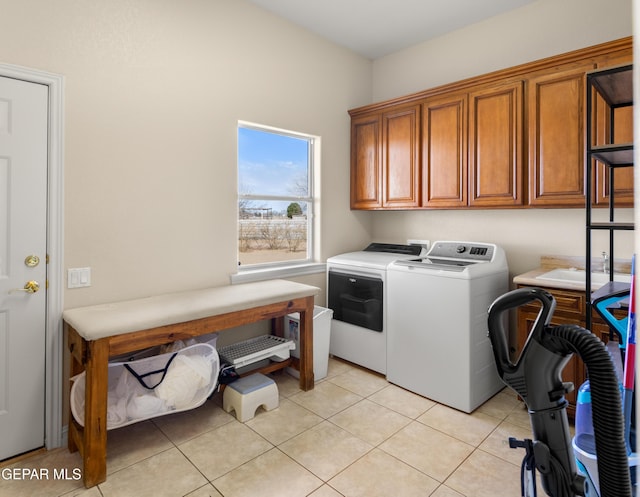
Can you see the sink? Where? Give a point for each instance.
(579, 276)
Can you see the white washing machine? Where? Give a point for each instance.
(356, 292)
(437, 343)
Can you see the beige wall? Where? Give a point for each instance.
(524, 234)
(537, 30)
(154, 90)
(541, 29)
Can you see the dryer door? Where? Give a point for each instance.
(356, 299)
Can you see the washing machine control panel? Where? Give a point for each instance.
(468, 251)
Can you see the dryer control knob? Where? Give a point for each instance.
(460, 249)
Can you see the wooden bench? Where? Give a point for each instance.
(98, 332)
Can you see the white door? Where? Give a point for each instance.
(23, 243)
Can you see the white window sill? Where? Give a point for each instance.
(248, 275)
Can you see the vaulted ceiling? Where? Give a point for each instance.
(374, 28)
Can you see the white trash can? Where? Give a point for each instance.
(321, 334)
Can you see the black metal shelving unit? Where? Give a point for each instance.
(615, 86)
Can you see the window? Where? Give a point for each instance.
(275, 197)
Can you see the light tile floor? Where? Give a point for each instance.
(353, 435)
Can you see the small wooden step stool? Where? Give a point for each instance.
(245, 395)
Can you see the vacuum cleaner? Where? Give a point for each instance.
(536, 377)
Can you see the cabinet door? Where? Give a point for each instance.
(444, 151)
(495, 146)
(366, 170)
(622, 133)
(556, 116)
(401, 157)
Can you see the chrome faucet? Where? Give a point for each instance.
(605, 263)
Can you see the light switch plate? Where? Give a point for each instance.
(78, 277)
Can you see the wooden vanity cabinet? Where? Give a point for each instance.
(570, 309)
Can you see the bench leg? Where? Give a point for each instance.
(306, 346)
(94, 453)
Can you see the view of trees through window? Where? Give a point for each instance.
(274, 196)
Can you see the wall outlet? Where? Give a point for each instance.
(78, 277)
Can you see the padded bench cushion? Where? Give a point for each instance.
(105, 320)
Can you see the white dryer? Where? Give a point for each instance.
(437, 343)
(356, 292)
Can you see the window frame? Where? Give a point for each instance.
(291, 267)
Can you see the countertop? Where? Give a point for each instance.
(549, 262)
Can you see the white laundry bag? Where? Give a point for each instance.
(154, 386)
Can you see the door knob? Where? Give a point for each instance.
(29, 287)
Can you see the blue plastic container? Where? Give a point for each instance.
(584, 438)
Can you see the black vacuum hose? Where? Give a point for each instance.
(608, 422)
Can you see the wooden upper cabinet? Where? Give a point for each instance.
(515, 138)
(385, 159)
(617, 129)
(495, 146)
(444, 151)
(556, 113)
(366, 167)
(401, 157)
